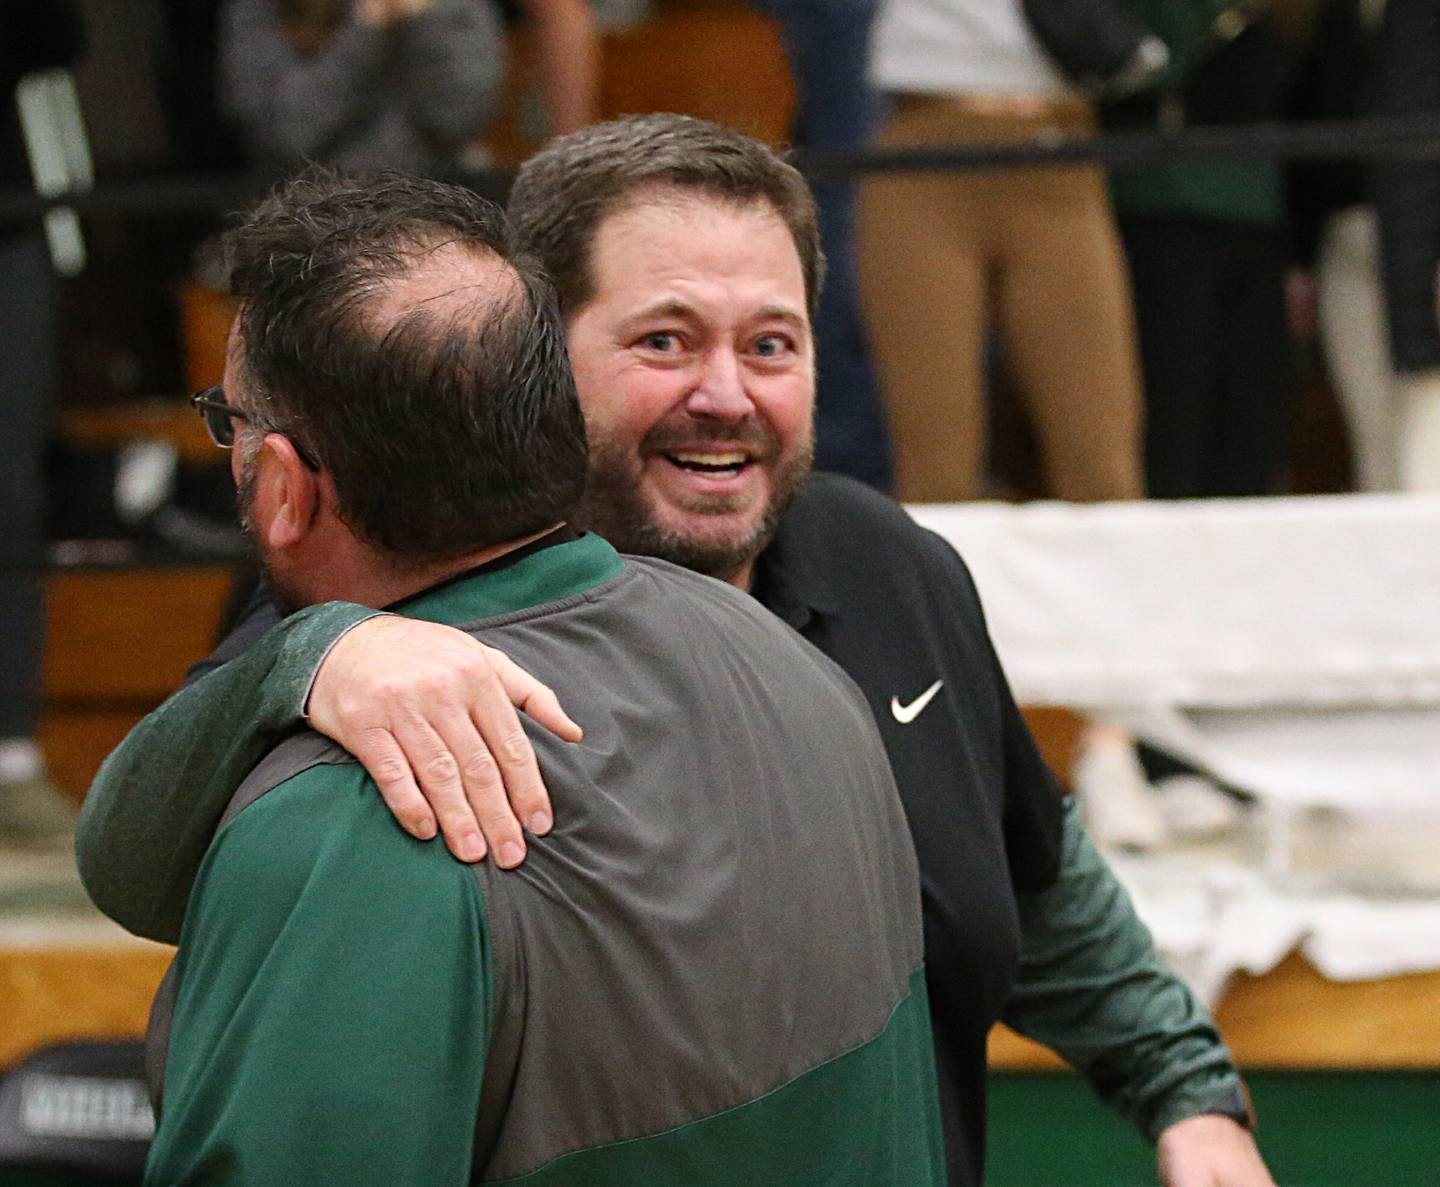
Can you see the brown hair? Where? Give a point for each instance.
(563, 193)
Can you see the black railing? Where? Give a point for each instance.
(1375, 139)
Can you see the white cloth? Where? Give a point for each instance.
(1289, 646)
(1420, 449)
(939, 46)
(1213, 919)
(1324, 602)
(1352, 758)
(1356, 340)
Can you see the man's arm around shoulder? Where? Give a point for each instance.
(153, 807)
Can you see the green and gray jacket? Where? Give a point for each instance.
(710, 971)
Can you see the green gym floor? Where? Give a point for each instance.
(1316, 1129)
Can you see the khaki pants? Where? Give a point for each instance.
(935, 248)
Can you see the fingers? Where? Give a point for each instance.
(383, 758)
(492, 796)
(432, 715)
(477, 768)
(436, 770)
(537, 700)
(509, 751)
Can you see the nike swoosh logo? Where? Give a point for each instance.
(905, 714)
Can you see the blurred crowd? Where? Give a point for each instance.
(1149, 322)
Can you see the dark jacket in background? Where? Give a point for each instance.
(34, 35)
(187, 60)
(1331, 86)
(1406, 82)
(1205, 241)
(1212, 82)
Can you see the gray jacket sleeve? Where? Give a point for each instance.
(1093, 988)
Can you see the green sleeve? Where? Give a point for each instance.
(331, 1007)
(1092, 987)
(153, 807)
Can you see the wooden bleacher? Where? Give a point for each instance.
(118, 643)
(1295, 1019)
(717, 59)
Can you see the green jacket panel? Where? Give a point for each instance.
(330, 967)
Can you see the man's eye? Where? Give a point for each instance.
(770, 346)
(661, 340)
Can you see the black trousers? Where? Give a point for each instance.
(28, 295)
(1215, 354)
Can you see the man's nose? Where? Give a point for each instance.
(720, 393)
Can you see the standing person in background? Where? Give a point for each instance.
(1207, 249)
(828, 46)
(1333, 291)
(360, 84)
(34, 35)
(938, 249)
(696, 377)
(567, 50)
(935, 246)
(1407, 200)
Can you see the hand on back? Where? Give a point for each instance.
(432, 715)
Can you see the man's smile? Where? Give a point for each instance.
(719, 463)
(704, 473)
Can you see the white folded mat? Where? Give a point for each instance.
(1290, 646)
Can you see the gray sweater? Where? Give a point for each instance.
(406, 96)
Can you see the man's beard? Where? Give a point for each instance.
(286, 600)
(615, 506)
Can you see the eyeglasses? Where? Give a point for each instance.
(220, 416)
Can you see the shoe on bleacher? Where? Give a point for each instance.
(1195, 808)
(34, 812)
(1116, 800)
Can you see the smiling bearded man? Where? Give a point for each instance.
(700, 319)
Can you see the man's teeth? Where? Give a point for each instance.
(710, 461)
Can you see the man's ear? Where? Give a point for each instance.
(289, 490)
